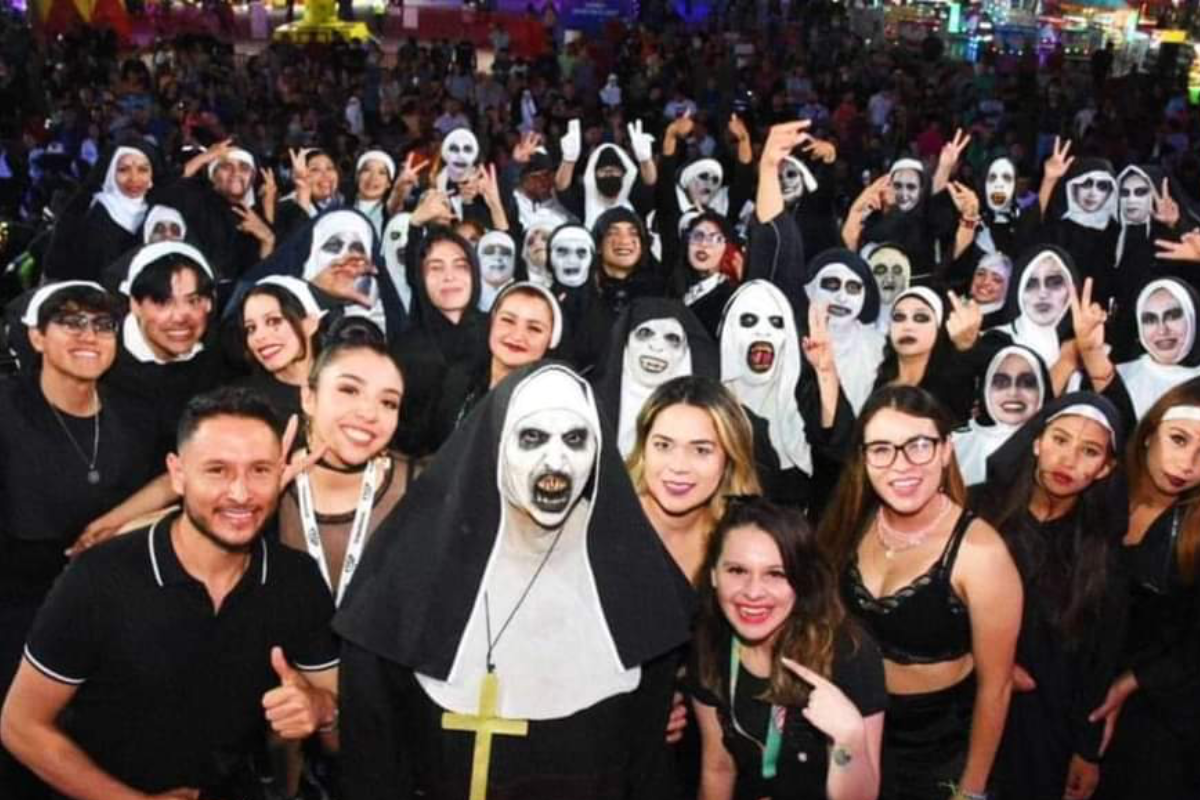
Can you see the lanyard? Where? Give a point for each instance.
(358, 529)
(774, 722)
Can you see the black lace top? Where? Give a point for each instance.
(925, 622)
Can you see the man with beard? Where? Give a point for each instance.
(533, 654)
(161, 659)
(610, 178)
(216, 198)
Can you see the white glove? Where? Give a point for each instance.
(642, 143)
(572, 143)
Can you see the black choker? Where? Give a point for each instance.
(344, 470)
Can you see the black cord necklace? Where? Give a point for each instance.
(353, 469)
(487, 609)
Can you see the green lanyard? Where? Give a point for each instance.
(774, 722)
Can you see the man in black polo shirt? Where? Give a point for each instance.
(150, 667)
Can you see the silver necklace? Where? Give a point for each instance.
(93, 475)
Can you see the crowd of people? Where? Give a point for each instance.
(823, 422)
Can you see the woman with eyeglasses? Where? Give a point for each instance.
(936, 588)
(708, 274)
(1056, 497)
(69, 451)
(1151, 714)
(788, 690)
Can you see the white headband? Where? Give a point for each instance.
(1188, 413)
(377, 155)
(234, 154)
(152, 252)
(30, 318)
(1088, 411)
(927, 296)
(298, 289)
(907, 163)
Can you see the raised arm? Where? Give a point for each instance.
(781, 140)
(1052, 172)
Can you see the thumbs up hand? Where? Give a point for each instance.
(293, 709)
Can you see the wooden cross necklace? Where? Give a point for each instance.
(485, 723)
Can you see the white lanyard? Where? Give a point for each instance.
(358, 529)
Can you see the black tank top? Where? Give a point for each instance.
(923, 623)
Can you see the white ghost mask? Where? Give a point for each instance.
(395, 242)
(702, 180)
(795, 179)
(460, 151)
(656, 352)
(1000, 185)
(759, 334)
(497, 258)
(892, 270)
(570, 253)
(841, 291)
(547, 457)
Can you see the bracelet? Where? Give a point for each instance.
(969, 224)
(959, 793)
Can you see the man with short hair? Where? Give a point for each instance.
(150, 665)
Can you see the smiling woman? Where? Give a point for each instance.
(352, 481)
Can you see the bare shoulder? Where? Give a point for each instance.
(983, 558)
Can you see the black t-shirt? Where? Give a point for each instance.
(804, 752)
(169, 693)
(45, 498)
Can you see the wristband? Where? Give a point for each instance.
(969, 224)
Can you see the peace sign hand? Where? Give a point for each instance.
(964, 322)
(1088, 319)
(816, 346)
(1188, 249)
(1060, 161)
(412, 171)
(1166, 210)
(952, 152)
(292, 464)
(828, 709)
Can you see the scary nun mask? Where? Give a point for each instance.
(842, 282)
(892, 270)
(1015, 386)
(497, 265)
(795, 179)
(701, 185)
(570, 254)
(519, 575)
(534, 249)
(395, 245)
(460, 153)
(1166, 320)
(760, 364)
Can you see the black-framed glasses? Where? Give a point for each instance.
(78, 324)
(918, 451)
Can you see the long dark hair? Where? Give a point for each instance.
(1071, 569)
(808, 634)
(854, 501)
(939, 355)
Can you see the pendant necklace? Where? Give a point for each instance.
(894, 541)
(93, 475)
(487, 611)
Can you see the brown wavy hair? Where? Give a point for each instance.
(854, 501)
(1187, 545)
(807, 636)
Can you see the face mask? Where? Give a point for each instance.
(610, 185)
(791, 180)
(704, 187)
(1000, 184)
(546, 461)
(759, 334)
(655, 351)
(1165, 326)
(891, 270)
(1090, 192)
(1136, 200)
(570, 254)
(841, 290)
(497, 258)
(907, 185)
(395, 239)
(460, 149)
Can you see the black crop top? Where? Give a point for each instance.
(925, 622)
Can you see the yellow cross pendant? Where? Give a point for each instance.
(485, 724)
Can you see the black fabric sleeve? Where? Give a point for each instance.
(310, 643)
(858, 671)
(741, 189)
(651, 774)
(1117, 392)
(832, 442)
(775, 252)
(65, 641)
(1170, 670)
(375, 752)
(1097, 665)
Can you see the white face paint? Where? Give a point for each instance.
(1166, 332)
(339, 247)
(907, 185)
(1046, 292)
(1136, 199)
(460, 150)
(1014, 392)
(395, 239)
(655, 351)
(891, 270)
(791, 180)
(703, 186)
(760, 333)
(1091, 191)
(1001, 184)
(570, 255)
(841, 290)
(546, 462)
(497, 258)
